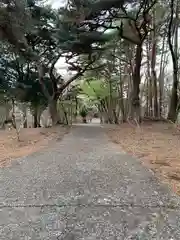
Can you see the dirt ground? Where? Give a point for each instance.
(157, 145)
(31, 140)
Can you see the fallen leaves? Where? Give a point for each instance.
(157, 145)
(31, 140)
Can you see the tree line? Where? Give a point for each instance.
(120, 49)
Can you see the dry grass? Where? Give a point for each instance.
(157, 145)
(31, 140)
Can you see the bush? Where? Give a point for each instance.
(83, 112)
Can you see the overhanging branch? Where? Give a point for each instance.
(78, 74)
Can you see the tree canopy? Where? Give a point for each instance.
(111, 40)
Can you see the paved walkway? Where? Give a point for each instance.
(85, 188)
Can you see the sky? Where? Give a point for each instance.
(57, 3)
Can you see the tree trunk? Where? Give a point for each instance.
(64, 119)
(127, 103)
(155, 94)
(121, 96)
(37, 111)
(24, 120)
(100, 109)
(172, 115)
(110, 101)
(35, 117)
(24, 114)
(105, 107)
(52, 102)
(53, 111)
(146, 114)
(149, 84)
(153, 64)
(161, 78)
(76, 108)
(135, 101)
(39, 118)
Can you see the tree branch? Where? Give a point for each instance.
(80, 73)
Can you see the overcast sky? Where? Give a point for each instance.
(57, 3)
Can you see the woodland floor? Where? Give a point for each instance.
(31, 140)
(157, 145)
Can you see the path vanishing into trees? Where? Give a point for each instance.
(84, 187)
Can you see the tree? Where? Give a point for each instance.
(136, 21)
(172, 115)
(20, 80)
(40, 44)
(82, 33)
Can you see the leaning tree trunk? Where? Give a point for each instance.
(172, 115)
(135, 100)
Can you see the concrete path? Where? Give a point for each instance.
(85, 188)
